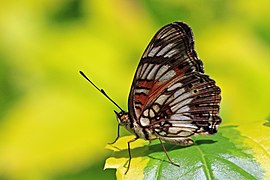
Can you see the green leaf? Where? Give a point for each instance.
(221, 156)
(267, 123)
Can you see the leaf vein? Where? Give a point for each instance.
(260, 145)
(163, 160)
(207, 169)
(242, 171)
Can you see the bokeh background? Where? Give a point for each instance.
(54, 125)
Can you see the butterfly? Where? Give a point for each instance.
(171, 98)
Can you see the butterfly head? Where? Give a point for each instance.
(123, 118)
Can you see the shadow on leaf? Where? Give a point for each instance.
(155, 148)
(204, 141)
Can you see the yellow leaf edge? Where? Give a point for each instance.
(136, 170)
(257, 137)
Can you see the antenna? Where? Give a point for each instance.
(101, 90)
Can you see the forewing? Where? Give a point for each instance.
(170, 54)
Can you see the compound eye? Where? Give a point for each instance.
(124, 118)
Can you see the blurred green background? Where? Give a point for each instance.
(54, 125)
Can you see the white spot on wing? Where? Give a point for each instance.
(144, 121)
(143, 69)
(179, 105)
(153, 51)
(162, 70)
(178, 92)
(151, 113)
(152, 72)
(185, 133)
(145, 91)
(171, 53)
(156, 107)
(162, 133)
(145, 112)
(138, 71)
(165, 49)
(174, 86)
(145, 73)
(180, 98)
(161, 99)
(174, 130)
(183, 109)
(168, 33)
(168, 75)
(179, 117)
(188, 126)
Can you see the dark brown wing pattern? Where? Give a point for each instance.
(170, 95)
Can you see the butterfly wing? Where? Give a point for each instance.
(170, 95)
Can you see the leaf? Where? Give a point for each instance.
(257, 137)
(221, 156)
(119, 157)
(267, 123)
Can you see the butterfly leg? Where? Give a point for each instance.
(118, 134)
(167, 153)
(129, 153)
